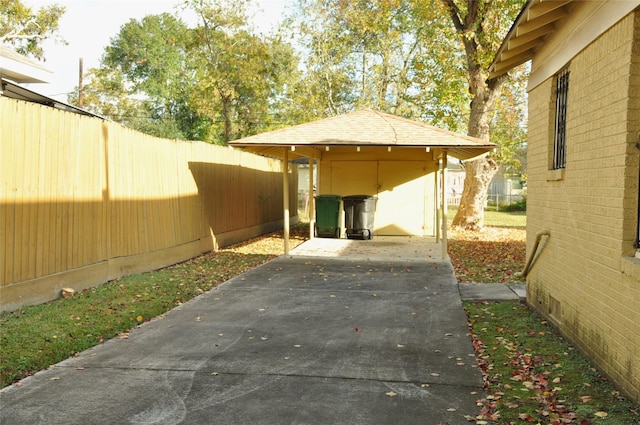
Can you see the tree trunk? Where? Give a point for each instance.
(226, 111)
(478, 176)
(479, 172)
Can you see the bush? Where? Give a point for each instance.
(520, 205)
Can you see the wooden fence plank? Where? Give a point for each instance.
(79, 193)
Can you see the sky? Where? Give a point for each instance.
(89, 25)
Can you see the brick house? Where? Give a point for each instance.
(583, 171)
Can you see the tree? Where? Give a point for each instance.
(214, 82)
(420, 59)
(239, 75)
(25, 29)
(152, 56)
(145, 80)
(480, 26)
(362, 54)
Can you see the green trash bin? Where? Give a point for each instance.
(328, 216)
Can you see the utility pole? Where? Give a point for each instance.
(80, 86)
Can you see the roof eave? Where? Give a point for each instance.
(463, 153)
(536, 20)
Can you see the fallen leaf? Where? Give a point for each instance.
(391, 394)
(601, 414)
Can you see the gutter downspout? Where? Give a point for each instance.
(527, 268)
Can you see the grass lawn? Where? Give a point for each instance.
(531, 374)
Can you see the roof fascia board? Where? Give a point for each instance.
(308, 152)
(529, 37)
(545, 7)
(21, 69)
(541, 21)
(588, 20)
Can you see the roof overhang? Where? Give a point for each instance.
(21, 69)
(15, 91)
(359, 129)
(537, 19)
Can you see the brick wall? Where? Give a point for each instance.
(585, 280)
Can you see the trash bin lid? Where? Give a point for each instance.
(329, 197)
(359, 197)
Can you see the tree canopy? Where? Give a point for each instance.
(218, 81)
(25, 29)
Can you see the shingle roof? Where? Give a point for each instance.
(363, 128)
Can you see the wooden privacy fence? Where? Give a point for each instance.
(84, 201)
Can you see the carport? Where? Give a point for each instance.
(402, 162)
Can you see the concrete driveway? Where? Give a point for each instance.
(309, 338)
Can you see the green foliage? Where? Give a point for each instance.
(219, 81)
(145, 82)
(239, 76)
(214, 82)
(26, 29)
(368, 54)
(520, 205)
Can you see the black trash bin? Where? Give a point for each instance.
(358, 216)
(328, 216)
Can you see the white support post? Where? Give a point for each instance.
(312, 202)
(285, 198)
(445, 255)
(436, 203)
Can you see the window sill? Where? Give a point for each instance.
(631, 266)
(555, 175)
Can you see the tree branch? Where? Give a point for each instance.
(455, 15)
(472, 13)
(17, 36)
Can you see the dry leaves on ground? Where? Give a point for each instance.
(494, 255)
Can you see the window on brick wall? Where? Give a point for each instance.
(560, 134)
